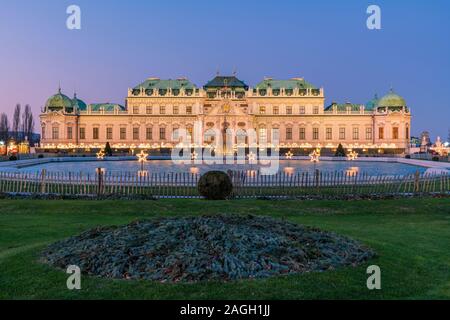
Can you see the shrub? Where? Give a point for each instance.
(215, 185)
(13, 158)
(435, 158)
(40, 156)
(340, 151)
(408, 156)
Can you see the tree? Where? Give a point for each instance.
(340, 151)
(16, 122)
(4, 127)
(28, 123)
(108, 150)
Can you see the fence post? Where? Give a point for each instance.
(100, 172)
(417, 182)
(317, 179)
(43, 180)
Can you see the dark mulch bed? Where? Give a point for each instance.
(220, 247)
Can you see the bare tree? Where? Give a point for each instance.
(16, 122)
(4, 127)
(27, 123)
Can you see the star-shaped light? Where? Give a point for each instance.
(289, 155)
(142, 157)
(352, 155)
(315, 155)
(251, 157)
(100, 155)
(194, 155)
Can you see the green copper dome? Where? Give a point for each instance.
(79, 104)
(372, 104)
(392, 100)
(58, 101)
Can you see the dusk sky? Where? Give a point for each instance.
(122, 43)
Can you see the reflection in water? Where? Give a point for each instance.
(289, 170)
(252, 173)
(352, 171)
(194, 170)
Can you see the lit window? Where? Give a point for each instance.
(262, 135)
(262, 110)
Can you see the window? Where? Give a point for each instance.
(136, 110)
(355, 133)
(162, 109)
(262, 135)
(176, 109)
(123, 133)
(95, 133)
(368, 133)
(329, 133)
(55, 133)
(407, 133)
(188, 110)
(175, 134)
(276, 110)
(289, 110)
(69, 133)
(288, 133)
(162, 133)
(109, 133)
(275, 135)
(315, 133)
(43, 132)
(302, 134)
(262, 110)
(190, 132)
(136, 133)
(381, 133)
(342, 133)
(82, 133)
(302, 109)
(149, 109)
(316, 110)
(149, 133)
(395, 133)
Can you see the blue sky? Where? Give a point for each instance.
(326, 42)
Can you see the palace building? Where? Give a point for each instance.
(293, 111)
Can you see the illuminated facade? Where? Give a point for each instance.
(292, 111)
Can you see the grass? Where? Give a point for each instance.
(411, 237)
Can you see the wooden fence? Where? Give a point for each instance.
(250, 184)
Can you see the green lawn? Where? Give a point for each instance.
(411, 237)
